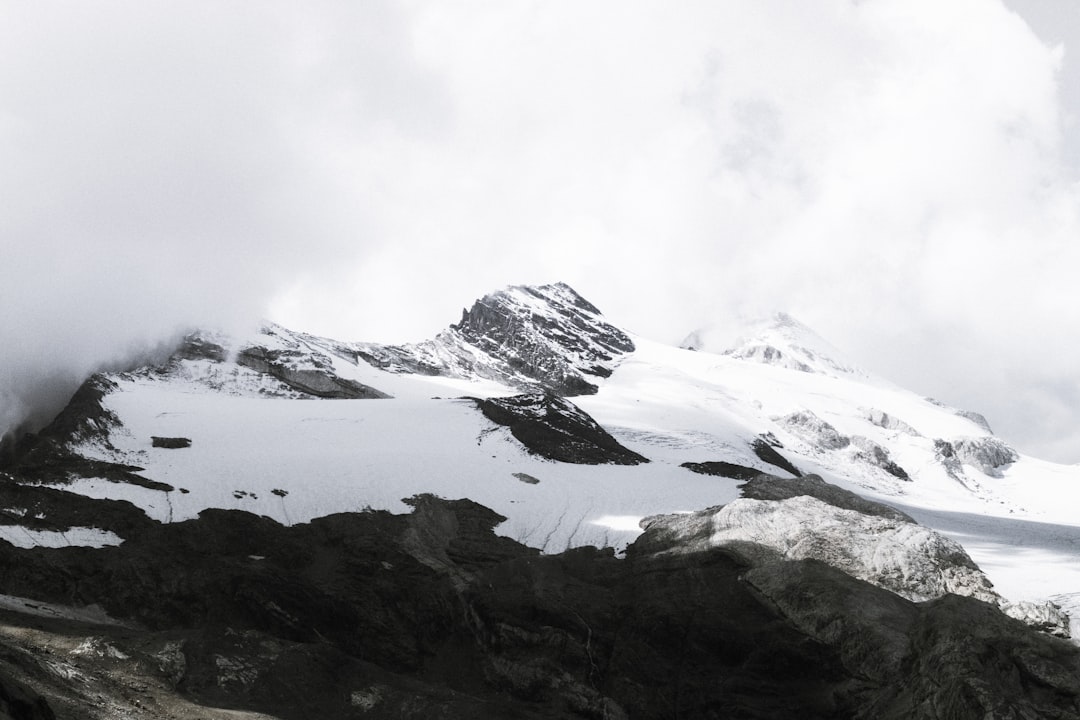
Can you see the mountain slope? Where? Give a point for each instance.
(233, 501)
(430, 614)
(294, 427)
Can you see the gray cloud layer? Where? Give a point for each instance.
(890, 171)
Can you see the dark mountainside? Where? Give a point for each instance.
(432, 615)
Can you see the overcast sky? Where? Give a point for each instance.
(901, 175)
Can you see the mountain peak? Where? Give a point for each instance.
(778, 339)
(531, 337)
(543, 300)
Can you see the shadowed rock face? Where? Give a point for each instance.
(767, 451)
(719, 468)
(555, 428)
(432, 615)
(538, 339)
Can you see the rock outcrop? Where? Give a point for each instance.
(536, 338)
(305, 371)
(988, 454)
(808, 518)
(908, 559)
(815, 431)
(555, 428)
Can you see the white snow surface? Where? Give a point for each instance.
(24, 537)
(778, 339)
(296, 459)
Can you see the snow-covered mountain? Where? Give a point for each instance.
(575, 433)
(778, 340)
(780, 400)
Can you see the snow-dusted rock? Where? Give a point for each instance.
(544, 337)
(988, 454)
(815, 431)
(868, 451)
(778, 340)
(305, 371)
(910, 560)
(890, 422)
(808, 519)
(1046, 616)
(977, 418)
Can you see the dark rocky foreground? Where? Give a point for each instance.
(431, 615)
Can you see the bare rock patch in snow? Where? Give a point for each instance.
(171, 443)
(890, 422)
(555, 428)
(988, 454)
(815, 431)
(766, 451)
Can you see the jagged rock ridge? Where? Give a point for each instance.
(545, 338)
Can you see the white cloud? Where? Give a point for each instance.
(888, 170)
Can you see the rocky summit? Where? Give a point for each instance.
(534, 514)
(545, 337)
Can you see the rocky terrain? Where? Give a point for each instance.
(430, 614)
(286, 526)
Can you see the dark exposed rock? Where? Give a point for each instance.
(770, 487)
(42, 459)
(766, 452)
(46, 508)
(172, 443)
(49, 455)
(19, 702)
(538, 343)
(431, 615)
(198, 346)
(85, 418)
(555, 428)
(954, 657)
(720, 468)
(310, 373)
